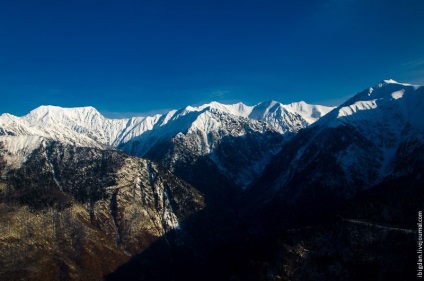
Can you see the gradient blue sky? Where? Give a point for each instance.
(133, 57)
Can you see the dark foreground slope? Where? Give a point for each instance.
(339, 202)
(348, 244)
(71, 213)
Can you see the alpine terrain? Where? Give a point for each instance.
(216, 192)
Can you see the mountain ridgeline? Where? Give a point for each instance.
(215, 192)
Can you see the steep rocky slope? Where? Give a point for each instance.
(72, 213)
(234, 148)
(376, 136)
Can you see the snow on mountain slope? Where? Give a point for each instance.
(387, 114)
(311, 113)
(238, 109)
(238, 147)
(53, 121)
(207, 123)
(86, 127)
(288, 118)
(49, 121)
(284, 118)
(88, 121)
(20, 136)
(274, 111)
(18, 148)
(375, 136)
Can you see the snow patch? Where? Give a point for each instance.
(398, 94)
(390, 81)
(18, 148)
(357, 106)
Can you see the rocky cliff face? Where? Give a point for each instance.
(236, 149)
(78, 213)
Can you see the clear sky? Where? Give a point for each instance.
(132, 57)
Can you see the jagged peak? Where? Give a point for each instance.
(238, 109)
(88, 120)
(386, 82)
(384, 89)
(53, 109)
(383, 99)
(49, 114)
(390, 81)
(268, 104)
(214, 103)
(302, 102)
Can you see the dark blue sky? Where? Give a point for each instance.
(131, 57)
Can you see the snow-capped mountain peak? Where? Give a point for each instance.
(237, 109)
(387, 90)
(373, 138)
(55, 114)
(263, 108)
(281, 116)
(390, 81)
(56, 122)
(386, 116)
(288, 118)
(308, 111)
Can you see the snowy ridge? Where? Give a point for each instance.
(388, 102)
(376, 138)
(53, 121)
(284, 118)
(205, 125)
(310, 113)
(86, 127)
(87, 120)
(288, 118)
(240, 140)
(387, 115)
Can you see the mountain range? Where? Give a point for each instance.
(85, 126)
(86, 196)
(191, 132)
(373, 137)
